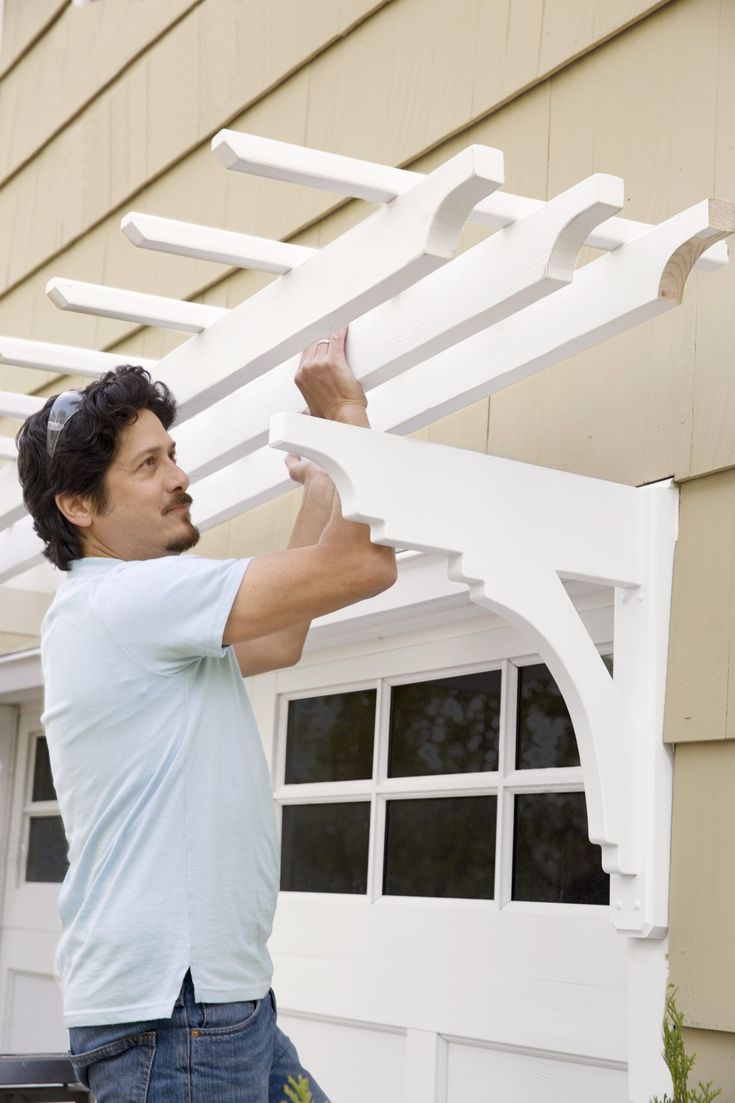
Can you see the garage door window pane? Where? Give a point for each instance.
(440, 847)
(553, 859)
(330, 738)
(47, 850)
(445, 726)
(43, 783)
(545, 733)
(324, 847)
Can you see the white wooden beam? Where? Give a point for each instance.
(132, 306)
(20, 548)
(19, 405)
(589, 541)
(167, 235)
(10, 496)
(498, 276)
(368, 264)
(611, 294)
(607, 296)
(43, 356)
(332, 172)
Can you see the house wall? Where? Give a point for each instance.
(110, 107)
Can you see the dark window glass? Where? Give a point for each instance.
(545, 733)
(608, 661)
(440, 847)
(330, 738)
(47, 850)
(553, 859)
(43, 783)
(324, 847)
(445, 726)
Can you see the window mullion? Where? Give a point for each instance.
(377, 809)
(507, 751)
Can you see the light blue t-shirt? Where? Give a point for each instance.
(163, 788)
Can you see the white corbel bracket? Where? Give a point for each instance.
(512, 531)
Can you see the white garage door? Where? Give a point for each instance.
(442, 932)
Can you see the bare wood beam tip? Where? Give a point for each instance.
(709, 222)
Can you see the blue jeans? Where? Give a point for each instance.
(205, 1053)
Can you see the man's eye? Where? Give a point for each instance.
(150, 462)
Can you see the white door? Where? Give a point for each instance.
(31, 1014)
(442, 933)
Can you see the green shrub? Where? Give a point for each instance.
(678, 1061)
(298, 1091)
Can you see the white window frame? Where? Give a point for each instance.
(33, 810)
(504, 784)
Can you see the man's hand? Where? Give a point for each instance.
(328, 384)
(306, 472)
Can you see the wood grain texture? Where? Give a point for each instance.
(700, 704)
(701, 948)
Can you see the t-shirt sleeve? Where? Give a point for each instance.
(166, 613)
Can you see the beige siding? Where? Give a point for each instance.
(49, 86)
(702, 947)
(715, 1060)
(23, 24)
(700, 703)
(648, 106)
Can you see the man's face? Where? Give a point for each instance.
(147, 512)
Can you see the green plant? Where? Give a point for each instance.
(298, 1091)
(678, 1061)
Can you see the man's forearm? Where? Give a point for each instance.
(284, 648)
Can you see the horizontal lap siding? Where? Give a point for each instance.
(702, 948)
(700, 703)
(49, 86)
(23, 24)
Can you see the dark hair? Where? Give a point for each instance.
(86, 447)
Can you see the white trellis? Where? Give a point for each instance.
(459, 330)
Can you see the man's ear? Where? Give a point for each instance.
(75, 508)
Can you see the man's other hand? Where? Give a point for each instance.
(305, 472)
(327, 382)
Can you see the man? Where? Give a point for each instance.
(162, 781)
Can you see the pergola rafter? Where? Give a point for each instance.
(429, 334)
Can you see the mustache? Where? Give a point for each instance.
(181, 499)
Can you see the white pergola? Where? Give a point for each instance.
(429, 334)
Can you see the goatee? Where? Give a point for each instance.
(189, 538)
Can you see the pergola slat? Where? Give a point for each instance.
(19, 405)
(332, 172)
(132, 306)
(44, 356)
(167, 235)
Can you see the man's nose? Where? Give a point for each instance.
(179, 478)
